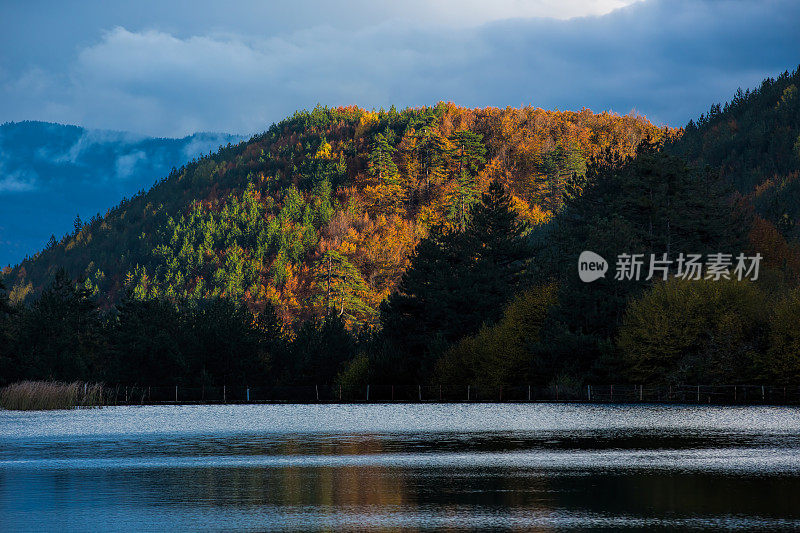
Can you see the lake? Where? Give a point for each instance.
(401, 467)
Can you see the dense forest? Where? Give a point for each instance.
(436, 246)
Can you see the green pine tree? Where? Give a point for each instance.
(340, 288)
(457, 281)
(468, 154)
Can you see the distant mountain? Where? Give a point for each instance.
(49, 173)
(325, 207)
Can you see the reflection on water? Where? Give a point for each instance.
(410, 467)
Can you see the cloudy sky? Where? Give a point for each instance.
(172, 68)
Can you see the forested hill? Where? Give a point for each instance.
(754, 141)
(325, 207)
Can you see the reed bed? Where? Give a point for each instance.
(47, 395)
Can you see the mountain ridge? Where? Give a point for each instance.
(252, 220)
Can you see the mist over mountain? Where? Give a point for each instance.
(49, 173)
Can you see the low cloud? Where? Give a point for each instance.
(202, 144)
(125, 165)
(88, 142)
(668, 59)
(16, 182)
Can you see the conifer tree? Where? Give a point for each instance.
(457, 281)
(410, 168)
(317, 353)
(7, 366)
(468, 154)
(340, 289)
(381, 164)
(62, 331)
(387, 192)
(144, 342)
(432, 156)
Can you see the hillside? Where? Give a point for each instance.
(754, 141)
(51, 172)
(329, 201)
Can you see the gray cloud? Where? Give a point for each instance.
(668, 59)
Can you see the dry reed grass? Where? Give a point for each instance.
(46, 395)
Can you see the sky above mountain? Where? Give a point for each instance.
(50, 173)
(174, 68)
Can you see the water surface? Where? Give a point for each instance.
(408, 467)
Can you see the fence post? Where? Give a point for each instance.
(316, 387)
(367, 392)
(248, 394)
(611, 395)
(529, 393)
(224, 394)
(763, 396)
(641, 393)
(734, 394)
(698, 394)
(467, 392)
(176, 394)
(556, 391)
(419, 388)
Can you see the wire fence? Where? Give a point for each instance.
(686, 394)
